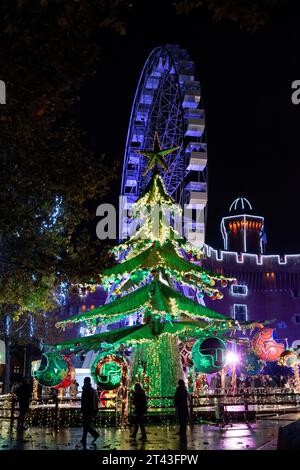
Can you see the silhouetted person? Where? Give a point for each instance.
(257, 381)
(247, 382)
(181, 399)
(89, 409)
(219, 381)
(282, 381)
(214, 383)
(139, 401)
(54, 393)
(23, 393)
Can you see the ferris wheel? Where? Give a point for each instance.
(168, 103)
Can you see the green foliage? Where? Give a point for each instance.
(248, 14)
(50, 181)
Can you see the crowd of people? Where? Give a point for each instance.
(242, 382)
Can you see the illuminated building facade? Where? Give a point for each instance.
(268, 285)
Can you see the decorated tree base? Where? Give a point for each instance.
(156, 365)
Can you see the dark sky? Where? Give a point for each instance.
(253, 129)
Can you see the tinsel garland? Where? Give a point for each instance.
(157, 296)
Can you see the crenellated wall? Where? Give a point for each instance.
(273, 288)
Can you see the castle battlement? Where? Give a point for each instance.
(250, 260)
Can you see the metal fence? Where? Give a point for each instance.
(65, 412)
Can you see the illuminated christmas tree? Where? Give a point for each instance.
(149, 281)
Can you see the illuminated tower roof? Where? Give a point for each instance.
(241, 231)
(240, 204)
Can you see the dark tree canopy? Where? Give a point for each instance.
(50, 180)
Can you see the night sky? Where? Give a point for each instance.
(253, 129)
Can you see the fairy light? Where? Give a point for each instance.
(154, 258)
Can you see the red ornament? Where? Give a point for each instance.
(185, 352)
(223, 283)
(265, 346)
(69, 378)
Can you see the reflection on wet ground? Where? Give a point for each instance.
(261, 434)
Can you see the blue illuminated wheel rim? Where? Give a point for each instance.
(157, 107)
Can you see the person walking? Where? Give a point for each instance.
(181, 402)
(23, 393)
(89, 409)
(139, 400)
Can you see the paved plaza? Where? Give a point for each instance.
(260, 435)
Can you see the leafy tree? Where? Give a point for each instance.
(50, 180)
(250, 15)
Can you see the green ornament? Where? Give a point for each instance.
(208, 355)
(108, 371)
(53, 369)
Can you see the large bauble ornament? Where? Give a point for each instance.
(109, 371)
(250, 364)
(208, 355)
(53, 369)
(265, 346)
(185, 350)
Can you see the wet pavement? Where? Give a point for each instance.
(260, 435)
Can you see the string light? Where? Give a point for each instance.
(154, 258)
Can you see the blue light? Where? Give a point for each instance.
(7, 325)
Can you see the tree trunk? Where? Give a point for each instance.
(6, 385)
(160, 360)
(25, 362)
